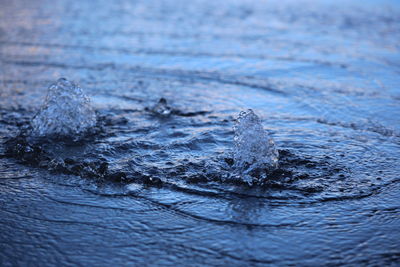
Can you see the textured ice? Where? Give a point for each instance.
(255, 150)
(66, 112)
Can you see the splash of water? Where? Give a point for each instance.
(66, 112)
(162, 108)
(254, 152)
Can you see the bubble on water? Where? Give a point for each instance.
(254, 152)
(66, 112)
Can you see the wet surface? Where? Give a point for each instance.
(153, 183)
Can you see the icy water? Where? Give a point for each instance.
(155, 182)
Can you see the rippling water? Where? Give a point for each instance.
(167, 80)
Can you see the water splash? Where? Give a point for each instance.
(255, 151)
(162, 108)
(66, 112)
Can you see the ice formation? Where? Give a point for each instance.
(66, 112)
(254, 151)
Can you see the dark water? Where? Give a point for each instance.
(322, 75)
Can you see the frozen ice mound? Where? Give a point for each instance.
(254, 152)
(66, 112)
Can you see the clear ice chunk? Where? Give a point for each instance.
(66, 112)
(254, 150)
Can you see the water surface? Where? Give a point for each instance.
(323, 76)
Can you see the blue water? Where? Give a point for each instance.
(323, 76)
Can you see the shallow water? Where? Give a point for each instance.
(323, 77)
